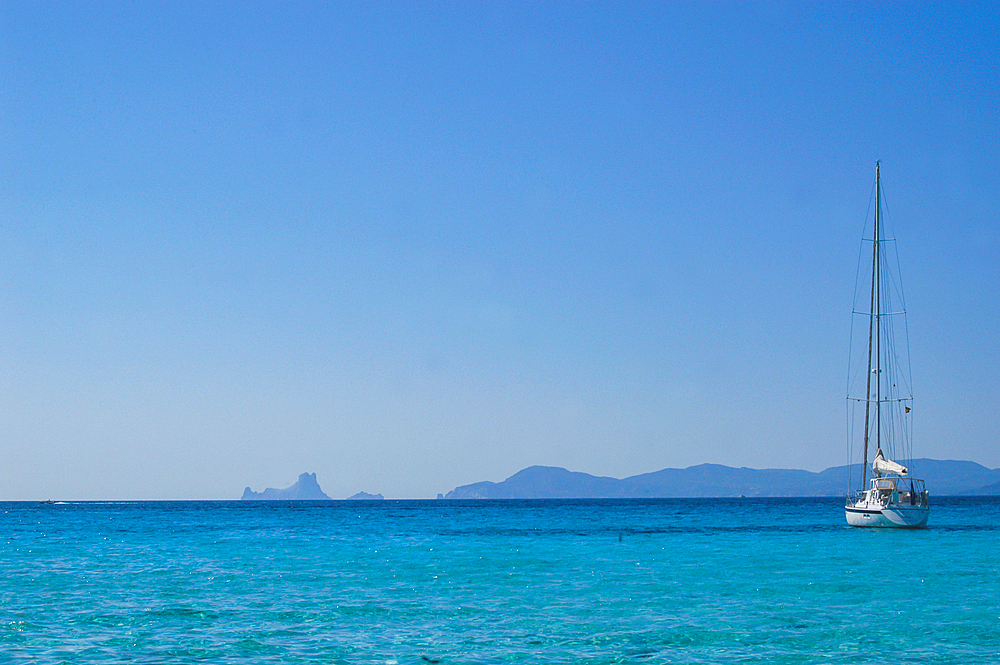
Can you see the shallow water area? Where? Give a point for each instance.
(652, 581)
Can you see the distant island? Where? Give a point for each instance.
(365, 496)
(306, 489)
(944, 478)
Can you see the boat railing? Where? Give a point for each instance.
(887, 490)
(856, 498)
(900, 490)
(912, 498)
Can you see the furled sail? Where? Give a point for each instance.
(882, 465)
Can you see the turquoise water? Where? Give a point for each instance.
(656, 581)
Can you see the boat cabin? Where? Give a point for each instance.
(888, 490)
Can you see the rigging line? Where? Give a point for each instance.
(861, 249)
(897, 278)
(850, 443)
(850, 364)
(901, 378)
(892, 350)
(897, 313)
(898, 282)
(855, 366)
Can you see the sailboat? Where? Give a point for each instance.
(879, 386)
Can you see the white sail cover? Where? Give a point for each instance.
(882, 465)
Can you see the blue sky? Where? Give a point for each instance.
(413, 246)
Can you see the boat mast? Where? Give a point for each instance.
(878, 314)
(873, 331)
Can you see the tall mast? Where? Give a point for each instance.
(873, 345)
(878, 312)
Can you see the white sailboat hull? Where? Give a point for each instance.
(888, 517)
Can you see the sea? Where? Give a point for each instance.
(552, 581)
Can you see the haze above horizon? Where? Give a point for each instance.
(411, 247)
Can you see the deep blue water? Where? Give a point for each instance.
(646, 581)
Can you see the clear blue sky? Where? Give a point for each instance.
(412, 246)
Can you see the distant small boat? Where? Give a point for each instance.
(893, 498)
